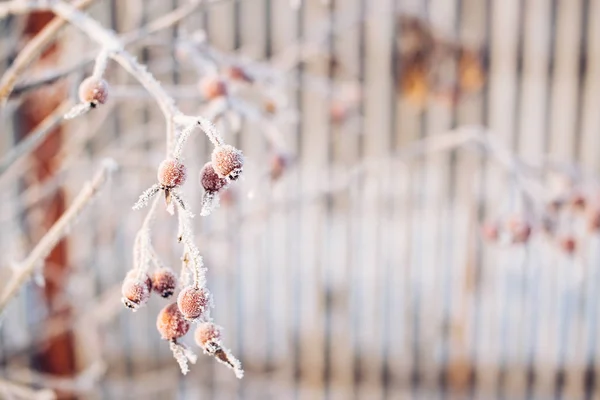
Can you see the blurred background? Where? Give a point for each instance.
(418, 216)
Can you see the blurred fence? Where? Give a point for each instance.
(360, 273)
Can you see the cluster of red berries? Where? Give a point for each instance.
(137, 286)
(569, 207)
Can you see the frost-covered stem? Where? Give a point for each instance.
(208, 127)
(190, 248)
(112, 43)
(182, 355)
(145, 250)
(183, 137)
(170, 136)
(100, 65)
(157, 25)
(60, 228)
(36, 137)
(32, 50)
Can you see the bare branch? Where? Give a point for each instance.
(24, 271)
(32, 50)
(36, 137)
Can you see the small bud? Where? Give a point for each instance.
(164, 282)
(206, 333)
(171, 173)
(236, 73)
(228, 161)
(170, 323)
(212, 87)
(136, 292)
(193, 302)
(93, 91)
(210, 181)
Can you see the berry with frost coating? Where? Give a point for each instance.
(568, 244)
(164, 282)
(210, 180)
(170, 323)
(135, 291)
(490, 231)
(171, 173)
(193, 302)
(227, 161)
(93, 91)
(206, 333)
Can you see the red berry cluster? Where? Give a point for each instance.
(557, 222)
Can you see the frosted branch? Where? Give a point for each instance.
(32, 50)
(192, 251)
(208, 127)
(60, 228)
(78, 110)
(100, 65)
(145, 197)
(143, 241)
(35, 138)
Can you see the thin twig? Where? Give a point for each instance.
(32, 50)
(155, 26)
(60, 228)
(36, 137)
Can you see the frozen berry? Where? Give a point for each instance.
(228, 161)
(490, 231)
(170, 323)
(519, 229)
(213, 87)
(338, 112)
(193, 302)
(568, 244)
(93, 91)
(207, 332)
(164, 282)
(136, 291)
(211, 182)
(270, 107)
(171, 173)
